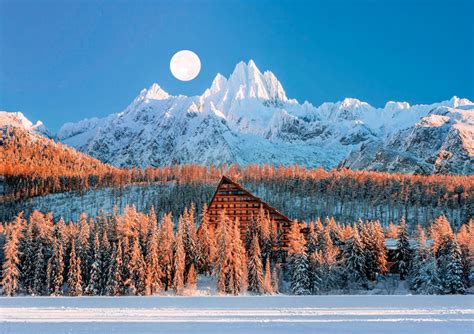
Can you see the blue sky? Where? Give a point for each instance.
(67, 60)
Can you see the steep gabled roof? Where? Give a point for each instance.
(266, 206)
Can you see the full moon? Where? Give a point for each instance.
(185, 65)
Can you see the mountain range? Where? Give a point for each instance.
(248, 119)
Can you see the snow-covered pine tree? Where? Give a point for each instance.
(179, 261)
(403, 252)
(165, 250)
(55, 270)
(115, 284)
(334, 230)
(223, 260)
(191, 279)
(276, 278)
(429, 282)
(27, 263)
(93, 287)
(312, 238)
(265, 234)
(380, 251)
(267, 281)
(39, 278)
(74, 275)
(190, 237)
(153, 268)
(10, 268)
(237, 274)
(417, 275)
(207, 246)
(254, 267)
(366, 238)
(105, 255)
(439, 229)
(136, 268)
(85, 253)
(298, 262)
(316, 263)
(465, 239)
(354, 257)
(450, 263)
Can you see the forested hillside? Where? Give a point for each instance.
(34, 165)
(303, 194)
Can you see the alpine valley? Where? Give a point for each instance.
(248, 119)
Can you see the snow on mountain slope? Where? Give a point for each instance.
(442, 142)
(247, 118)
(17, 119)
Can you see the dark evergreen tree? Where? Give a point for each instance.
(404, 251)
(451, 269)
(354, 256)
(55, 270)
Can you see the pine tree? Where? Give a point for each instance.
(404, 252)
(27, 264)
(179, 262)
(265, 234)
(83, 247)
(74, 276)
(354, 255)
(223, 262)
(136, 268)
(298, 262)
(451, 269)
(190, 237)
(312, 238)
(428, 281)
(191, 279)
(207, 247)
(153, 269)
(418, 266)
(165, 247)
(10, 268)
(55, 270)
(105, 255)
(254, 266)
(379, 250)
(465, 239)
(276, 278)
(237, 273)
(94, 286)
(39, 280)
(115, 284)
(267, 282)
(316, 263)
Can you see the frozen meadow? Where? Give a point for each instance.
(244, 314)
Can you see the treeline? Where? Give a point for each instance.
(303, 194)
(134, 254)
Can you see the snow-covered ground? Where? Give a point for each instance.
(245, 314)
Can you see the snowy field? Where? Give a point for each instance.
(211, 314)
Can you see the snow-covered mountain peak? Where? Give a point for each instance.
(247, 118)
(394, 106)
(17, 119)
(246, 81)
(459, 102)
(218, 85)
(155, 92)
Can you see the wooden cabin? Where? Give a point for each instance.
(240, 203)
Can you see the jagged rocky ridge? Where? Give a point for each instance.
(247, 118)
